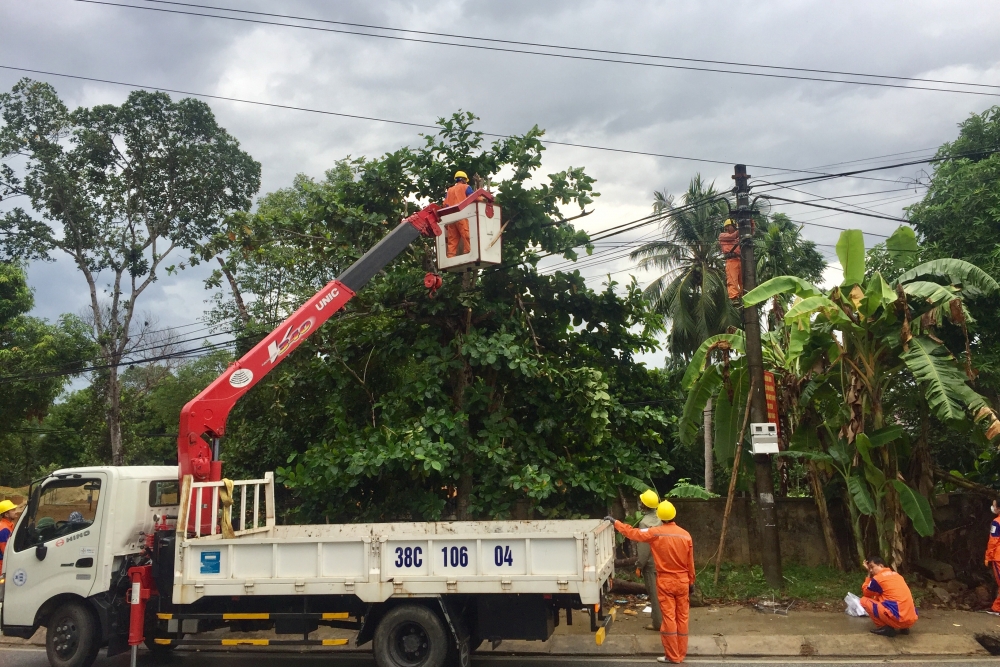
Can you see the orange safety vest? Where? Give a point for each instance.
(891, 597)
(457, 194)
(673, 550)
(993, 546)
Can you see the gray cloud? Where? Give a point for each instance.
(783, 123)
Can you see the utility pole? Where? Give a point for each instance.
(764, 480)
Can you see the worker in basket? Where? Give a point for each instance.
(887, 599)
(457, 233)
(644, 566)
(673, 553)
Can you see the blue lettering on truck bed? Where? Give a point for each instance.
(211, 562)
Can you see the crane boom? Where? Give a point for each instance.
(203, 419)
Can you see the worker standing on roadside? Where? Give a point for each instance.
(673, 553)
(729, 241)
(887, 599)
(457, 233)
(644, 566)
(992, 558)
(7, 518)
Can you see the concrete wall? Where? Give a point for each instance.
(798, 524)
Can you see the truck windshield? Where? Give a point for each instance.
(57, 509)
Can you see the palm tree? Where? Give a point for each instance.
(691, 292)
(781, 251)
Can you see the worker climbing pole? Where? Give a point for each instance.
(729, 241)
(764, 486)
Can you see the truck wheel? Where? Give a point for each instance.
(71, 639)
(410, 636)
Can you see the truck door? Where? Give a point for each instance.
(55, 546)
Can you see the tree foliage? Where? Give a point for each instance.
(508, 393)
(119, 189)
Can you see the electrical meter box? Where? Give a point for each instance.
(470, 234)
(764, 438)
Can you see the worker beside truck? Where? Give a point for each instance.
(673, 553)
(8, 517)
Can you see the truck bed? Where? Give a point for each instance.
(376, 561)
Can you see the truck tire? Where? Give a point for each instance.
(411, 635)
(71, 638)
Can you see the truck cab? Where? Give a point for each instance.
(74, 542)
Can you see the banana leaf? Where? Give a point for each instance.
(697, 365)
(916, 507)
(729, 414)
(851, 253)
(780, 285)
(972, 279)
(943, 379)
(692, 417)
(862, 498)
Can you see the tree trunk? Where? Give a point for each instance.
(833, 553)
(709, 463)
(115, 416)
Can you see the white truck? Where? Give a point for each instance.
(119, 556)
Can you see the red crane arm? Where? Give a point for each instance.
(203, 419)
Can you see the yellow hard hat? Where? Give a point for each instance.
(666, 511)
(649, 498)
(461, 174)
(729, 221)
(6, 506)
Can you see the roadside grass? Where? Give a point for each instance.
(738, 583)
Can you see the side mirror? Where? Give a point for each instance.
(40, 551)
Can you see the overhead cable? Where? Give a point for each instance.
(567, 56)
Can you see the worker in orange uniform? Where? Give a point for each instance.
(673, 554)
(729, 240)
(992, 558)
(8, 515)
(457, 233)
(887, 599)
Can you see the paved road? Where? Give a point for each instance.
(33, 657)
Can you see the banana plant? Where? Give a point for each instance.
(872, 334)
(835, 354)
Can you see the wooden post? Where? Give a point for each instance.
(732, 484)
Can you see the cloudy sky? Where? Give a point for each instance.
(776, 123)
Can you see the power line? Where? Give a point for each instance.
(568, 48)
(841, 210)
(551, 142)
(567, 56)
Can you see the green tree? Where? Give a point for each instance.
(121, 190)
(30, 348)
(509, 393)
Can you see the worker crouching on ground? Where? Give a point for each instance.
(645, 567)
(887, 599)
(673, 554)
(457, 233)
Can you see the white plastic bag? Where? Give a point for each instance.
(854, 607)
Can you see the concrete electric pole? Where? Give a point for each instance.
(764, 486)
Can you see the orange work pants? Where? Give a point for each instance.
(881, 616)
(674, 607)
(995, 568)
(734, 277)
(457, 236)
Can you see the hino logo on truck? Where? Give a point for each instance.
(327, 298)
(292, 336)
